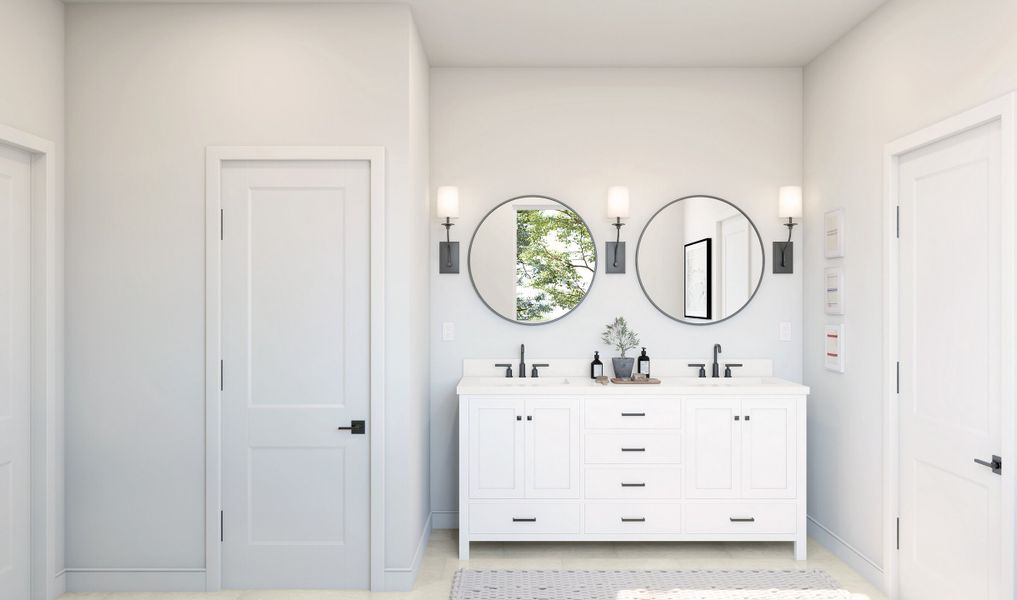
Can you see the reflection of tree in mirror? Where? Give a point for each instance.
(555, 262)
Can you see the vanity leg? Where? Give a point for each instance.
(464, 546)
(800, 548)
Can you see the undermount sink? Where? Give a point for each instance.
(719, 381)
(529, 382)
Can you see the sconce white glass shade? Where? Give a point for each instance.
(790, 203)
(448, 202)
(618, 202)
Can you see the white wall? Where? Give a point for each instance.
(32, 100)
(149, 87)
(571, 133)
(911, 64)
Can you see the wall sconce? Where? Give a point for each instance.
(617, 209)
(448, 209)
(790, 208)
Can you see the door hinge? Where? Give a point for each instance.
(222, 225)
(898, 221)
(898, 376)
(221, 377)
(220, 526)
(898, 533)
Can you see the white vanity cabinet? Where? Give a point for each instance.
(523, 447)
(579, 462)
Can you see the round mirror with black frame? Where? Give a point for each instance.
(700, 260)
(532, 260)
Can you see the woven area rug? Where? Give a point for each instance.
(646, 585)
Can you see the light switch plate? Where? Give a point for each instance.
(785, 332)
(448, 332)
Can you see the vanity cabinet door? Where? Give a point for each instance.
(496, 452)
(552, 448)
(713, 447)
(769, 448)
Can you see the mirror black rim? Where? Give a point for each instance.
(762, 269)
(473, 238)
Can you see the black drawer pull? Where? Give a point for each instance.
(633, 519)
(633, 484)
(524, 520)
(743, 519)
(633, 414)
(633, 449)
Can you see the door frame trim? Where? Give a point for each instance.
(215, 156)
(45, 362)
(1001, 109)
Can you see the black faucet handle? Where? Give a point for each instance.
(702, 368)
(507, 367)
(727, 368)
(533, 372)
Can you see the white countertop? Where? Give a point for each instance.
(578, 385)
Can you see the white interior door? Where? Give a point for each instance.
(295, 314)
(15, 191)
(950, 368)
(736, 258)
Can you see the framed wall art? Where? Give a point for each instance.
(699, 279)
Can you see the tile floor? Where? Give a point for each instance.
(440, 562)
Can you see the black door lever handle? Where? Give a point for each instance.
(996, 464)
(356, 427)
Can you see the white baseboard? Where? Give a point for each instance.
(401, 579)
(59, 585)
(854, 558)
(134, 580)
(445, 519)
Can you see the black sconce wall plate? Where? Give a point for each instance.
(614, 263)
(448, 257)
(788, 250)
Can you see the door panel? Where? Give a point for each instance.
(295, 341)
(497, 454)
(714, 444)
(15, 190)
(950, 349)
(769, 454)
(552, 448)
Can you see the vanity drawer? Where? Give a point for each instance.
(633, 413)
(634, 482)
(740, 518)
(642, 447)
(524, 517)
(633, 518)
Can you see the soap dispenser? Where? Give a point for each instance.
(596, 367)
(644, 364)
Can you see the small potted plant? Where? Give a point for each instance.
(619, 335)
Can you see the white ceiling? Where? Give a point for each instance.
(628, 33)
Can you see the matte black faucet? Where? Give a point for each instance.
(522, 360)
(716, 365)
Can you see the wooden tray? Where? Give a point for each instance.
(647, 381)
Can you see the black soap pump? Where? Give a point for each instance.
(644, 364)
(596, 367)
